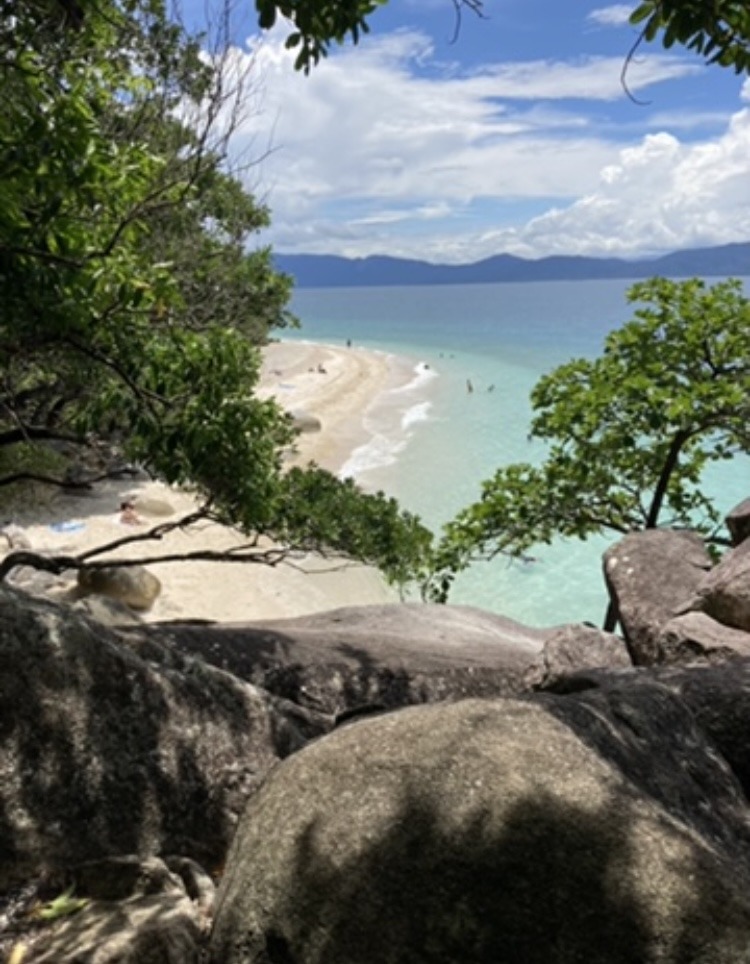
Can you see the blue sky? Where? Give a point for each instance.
(515, 137)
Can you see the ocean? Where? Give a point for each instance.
(477, 352)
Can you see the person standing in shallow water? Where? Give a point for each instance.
(469, 386)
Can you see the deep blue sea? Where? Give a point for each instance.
(434, 441)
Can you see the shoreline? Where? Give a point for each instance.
(334, 385)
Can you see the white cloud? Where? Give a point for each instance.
(383, 149)
(590, 78)
(661, 195)
(425, 212)
(688, 120)
(616, 15)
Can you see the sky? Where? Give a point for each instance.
(513, 136)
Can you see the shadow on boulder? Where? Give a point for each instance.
(542, 887)
(390, 655)
(105, 750)
(481, 832)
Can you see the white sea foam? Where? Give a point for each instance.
(423, 375)
(417, 413)
(378, 453)
(389, 421)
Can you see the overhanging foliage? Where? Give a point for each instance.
(629, 433)
(134, 305)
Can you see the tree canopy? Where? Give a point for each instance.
(134, 302)
(718, 31)
(628, 434)
(320, 23)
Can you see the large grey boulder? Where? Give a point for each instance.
(106, 610)
(133, 585)
(717, 696)
(576, 647)
(738, 522)
(108, 748)
(724, 593)
(389, 655)
(147, 505)
(602, 827)
(652, 576)
(697, 637)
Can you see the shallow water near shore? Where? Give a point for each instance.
(477, 351)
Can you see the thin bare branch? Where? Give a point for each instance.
(24, 557)
(476, 7)
(156, 533)
(147, 397)
(26, 433)
(44, 479)
(623, 73)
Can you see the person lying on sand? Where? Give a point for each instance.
(128, 515)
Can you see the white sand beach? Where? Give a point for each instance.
(333, 385)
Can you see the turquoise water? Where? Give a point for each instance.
(434, 441)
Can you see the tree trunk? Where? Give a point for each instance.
(666, 473)
(611, 617)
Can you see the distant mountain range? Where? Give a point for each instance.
(330, 271)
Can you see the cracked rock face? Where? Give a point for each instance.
(111, 747)
(724, 593)
(674, 605)
(653, 576)
(391, 655)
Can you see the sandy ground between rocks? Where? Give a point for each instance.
(334, 385)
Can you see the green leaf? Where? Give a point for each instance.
(64, 905)
(641, 13)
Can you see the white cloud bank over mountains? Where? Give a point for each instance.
(385, 149)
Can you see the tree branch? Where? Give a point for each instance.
(148, 398)
(25, 433)
(625, 67)
(45, 480)
(670, 463)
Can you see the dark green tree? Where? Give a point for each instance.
(718, 31)
(320, 23)
(132, 309)
(628, 434)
